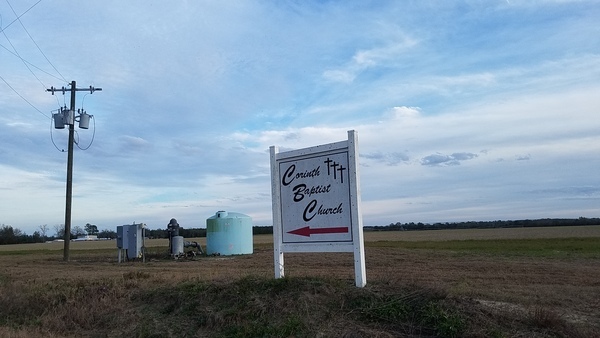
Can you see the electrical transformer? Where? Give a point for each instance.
(130, 240)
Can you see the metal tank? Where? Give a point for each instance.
(177, 247)
(229, 233)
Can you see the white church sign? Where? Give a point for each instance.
(316, 202)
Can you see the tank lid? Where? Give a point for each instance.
(227, 214)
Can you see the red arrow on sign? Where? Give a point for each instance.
(307, 231)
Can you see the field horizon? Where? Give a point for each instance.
(576, 231)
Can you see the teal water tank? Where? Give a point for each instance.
(229, 233)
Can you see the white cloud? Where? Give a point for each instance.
(194, 94)
(364, 59)
(133, 143)
(444, 160)
(337, 75)
(399, 113)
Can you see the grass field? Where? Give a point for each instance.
(370, 236)
(524, 282)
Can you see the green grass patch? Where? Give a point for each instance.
(251, 307)
(299, 307)
(290, 327)
(542, 247)
(22, 252)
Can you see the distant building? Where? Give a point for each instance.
(86, 238)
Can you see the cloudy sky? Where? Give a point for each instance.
(465, 110)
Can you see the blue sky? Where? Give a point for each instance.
(465, 110)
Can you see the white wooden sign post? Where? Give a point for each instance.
(316, 202)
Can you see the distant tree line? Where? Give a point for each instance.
(543, 222)
(10, 235)
(187, 233)
(200, 232)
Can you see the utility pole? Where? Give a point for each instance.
(70, 121)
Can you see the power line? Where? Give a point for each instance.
(16, 53)
(91, 141)
(52, 136)
(26, 65)
(19, 17)
(25, 62)
(35, 43)
(24, 99)
(19, 56)
(32, 65)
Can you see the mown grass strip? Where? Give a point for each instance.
(28, 252)
(577, 247)
(541, 247)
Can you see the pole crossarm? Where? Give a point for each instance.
(91, 89)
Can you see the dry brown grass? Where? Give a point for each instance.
(551, 294)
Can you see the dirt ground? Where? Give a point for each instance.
(568, 286)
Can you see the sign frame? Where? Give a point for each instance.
(327, 238)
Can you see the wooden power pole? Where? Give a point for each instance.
(71, 124)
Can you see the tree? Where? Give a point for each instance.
(107, 234)
(59, 230)
(36, 237)
(43, 230)
(17, 232)
(91, 229)
(7, 235)
(78, 231)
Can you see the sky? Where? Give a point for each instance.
(464, 110)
